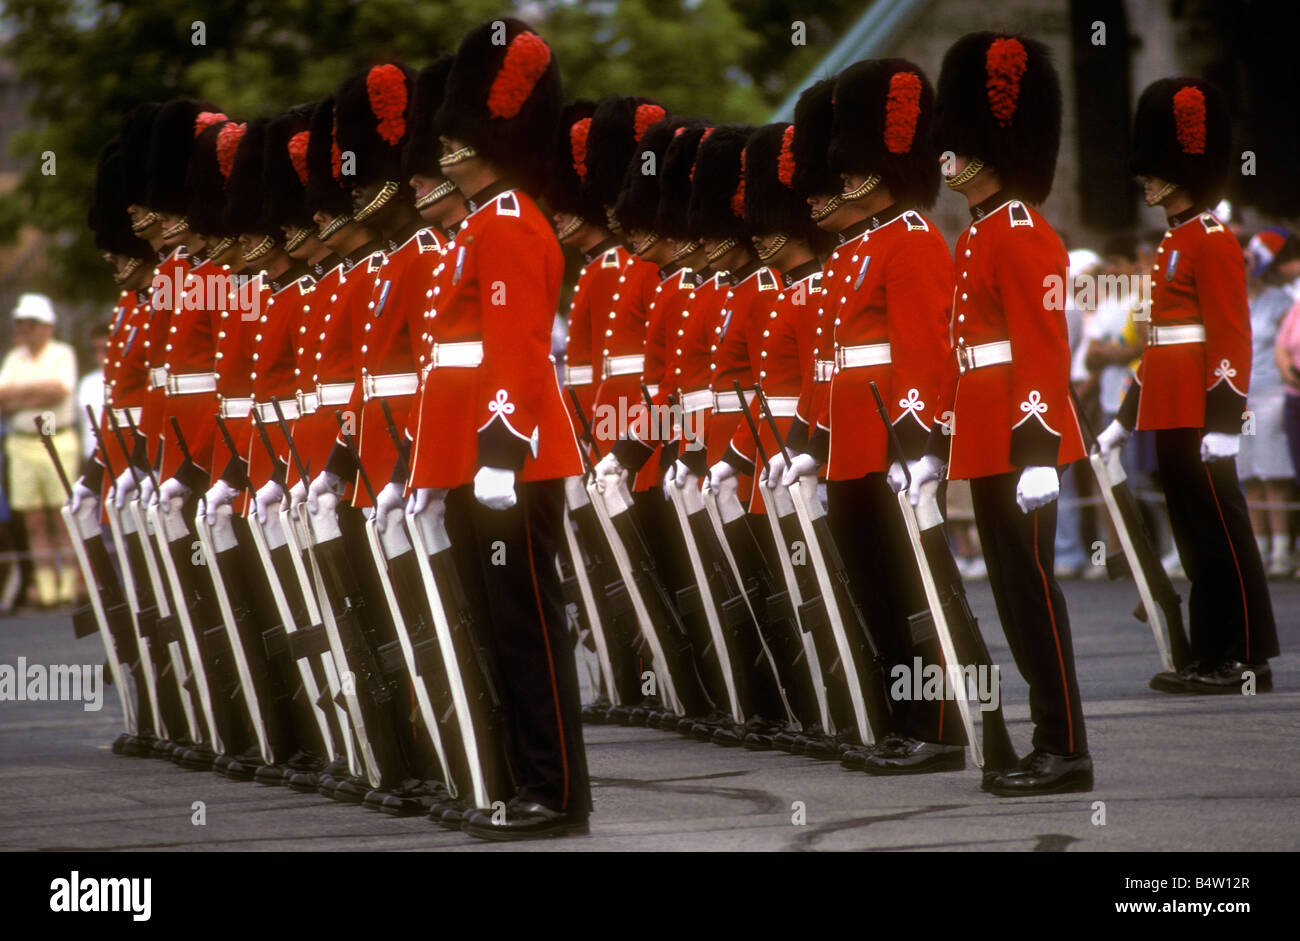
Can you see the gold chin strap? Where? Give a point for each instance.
(835, 202)
(179, 227)
(457, 156)
(1162, 195)
(972, 168)
(223, 246)
(641, 248)
(867, 186)
(386, 193)
(569, 229)
(131, 267)
(441, 191)
(690, 248)
(336, 223)
(294, 241)
(260, 250)
(722, 249)
(144, 222)
(778, 243)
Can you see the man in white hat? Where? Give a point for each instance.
(37, 379)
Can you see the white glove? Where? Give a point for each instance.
(298, 494)
(1216, 446)
(896, 478)
(172, 492)
(324, 483)
(680, 474)
(219, 495)
(495, 488)
(418, 501)
(609, 472)
(1038, 487)
(148, 492)
(926, 470)
(1112, 439)
(390, 500)
(668, 484)
(270, 496)
(80, 494)
(124, 488)
(719, 474)
(775, 470)
(800, 464)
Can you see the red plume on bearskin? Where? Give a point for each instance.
(718, 170)
(205, 179)
(707, 131)
(206, 119)
(564, 190)
(285, 171)
(1182, 134)
(297, 149)
(578, 146)
(881, 120)
(647, 114)
(611, 145)
(738, 197)
(228, 139)
(371, 122)
(526, 60)
(772, 205)
(785, 159)
(1005, 63)
(324, 192)
(386, 87)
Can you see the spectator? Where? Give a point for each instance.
(1264, 463)
(1071, 559)
(90, 391)
(37, 379)
(1286, 356)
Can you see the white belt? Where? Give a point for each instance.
(694, 401)
(236, 407)
(397, 383)
(983, 354)
(157, 377)
(578, 375)
(308, 403)
(728, 403)
(469, 353)
(823, 369)
(1176, 334)
(266, 410)
(624, 365)
(783, 406)
(192, 383)
(120, 415)
(852, 357)
(334, 393)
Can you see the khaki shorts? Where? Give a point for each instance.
(33, 482)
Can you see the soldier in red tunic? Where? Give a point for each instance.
(500, 440)
(1004, 410)
(1191, 388)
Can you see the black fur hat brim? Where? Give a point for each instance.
(136, 133)
(324, 193)
(108, 217)
(1182, 134)
(245, 206)
(171, 141)
(772, 204)
(717, 197)
(814, 116)
(285, 191)
(205, 186)
(673, 219)
(638, 200)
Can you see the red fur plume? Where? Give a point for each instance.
(526, 59)
(785, 160)
(336, 158)
(386, 86)
(645, 116)
(206, 119)
(902, 108)
(703, 138)
(298, 154)
(228, 139)
(738, 197)
(578, 132)
(1004, 63)
(1189, 119)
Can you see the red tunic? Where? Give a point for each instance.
(126, 372)
(274, 366)
(595, 297)
(624, 334)
(190, 351)
(166, 291)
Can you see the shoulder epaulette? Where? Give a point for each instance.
(306, 283)
(815, 282)
(375, 262)
(1019, 214)
(685, 279)
(766, 280)
(915, 222)
(1211, 223)
(507, 205)
(609, 259)
(428, 241)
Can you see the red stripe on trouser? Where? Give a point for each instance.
(1060, 658)
(550, 662)
(1245, 609)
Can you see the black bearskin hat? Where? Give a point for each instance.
(137, 130)
(324, 163)
(999, 99)
(718, 185)
(813, 124)
(172, 138)
(372, 112)
(883, 112)
(284, 169)
(673, 220)
(565, 191)
(503, 99)
(108, 218)
(422, 145)
(617, 127)
(208, 177)
(638, 202)
(772, 204)
(245, 203)
(1181, 134)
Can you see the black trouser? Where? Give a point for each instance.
(1229, 608)
(867, 526)
(526, 633)
(1019, 549)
